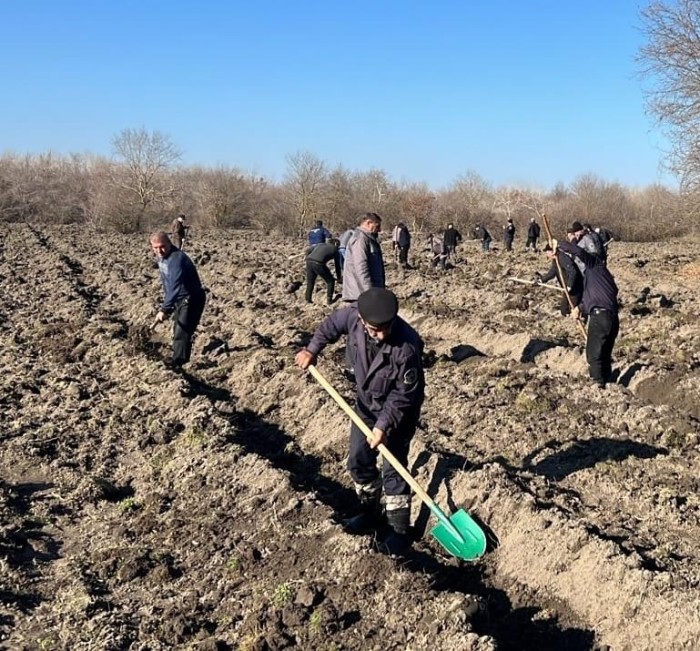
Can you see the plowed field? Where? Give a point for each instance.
(142, 508)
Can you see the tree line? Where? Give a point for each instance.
(143, 185)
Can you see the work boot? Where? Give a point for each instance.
(399, 520)
(369, 517)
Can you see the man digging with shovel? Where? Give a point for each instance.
(386, 353)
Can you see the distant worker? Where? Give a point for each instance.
(483, 234)
(452, 237)
(533, 234)
(438, 251)
(364, 263)
(390, 391)
(178, 231)
(508, 234)
(319, 234)
(184, 295)
(401, 237)
(317, 265)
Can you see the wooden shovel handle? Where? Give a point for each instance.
(368, 433)
(561, 275)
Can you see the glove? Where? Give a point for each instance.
(554, 244)
(576, 313)
(161, 316)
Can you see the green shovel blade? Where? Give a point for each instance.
(459, 534)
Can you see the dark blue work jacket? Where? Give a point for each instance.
(179, 277)
(392, 388)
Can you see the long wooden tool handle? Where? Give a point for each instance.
(537, 284)
(560, 271)
(368, 433)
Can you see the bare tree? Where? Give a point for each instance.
(306, 175)
(144, 160)
(670, 61)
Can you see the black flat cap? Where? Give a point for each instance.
(575, 227)
(378, 306)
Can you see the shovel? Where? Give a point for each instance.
(459, 534)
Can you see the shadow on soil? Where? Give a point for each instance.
(24, 547)
(586, 454)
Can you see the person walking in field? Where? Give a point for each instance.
(184, 295)
(364, 263)
(533, 234)
(178, 231)
(386, 353)
(317, 265)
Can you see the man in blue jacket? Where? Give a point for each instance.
(184, 295)
(319, 234)
(386, 353)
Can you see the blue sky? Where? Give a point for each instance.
(526, 93)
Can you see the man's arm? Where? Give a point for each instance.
(328, 332)
(587, 258)
(363, 274)
(336, 264)
(551, 273)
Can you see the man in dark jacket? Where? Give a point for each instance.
(483, 234)
(572, 281)
(599, 305)
(390, 392)
(319, 234)
(533, 234)
(451, 237)
(317, 265)
(402, 242)
(184, 295)
(508, 234)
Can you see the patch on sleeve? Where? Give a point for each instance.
(410, 376)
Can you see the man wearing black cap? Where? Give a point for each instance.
(599, 305)
(386, 353)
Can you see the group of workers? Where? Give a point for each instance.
(384, 352)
